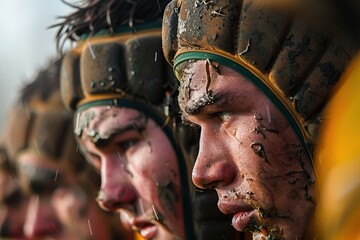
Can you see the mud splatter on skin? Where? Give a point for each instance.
(298, 155)
(124, 165)
(207, 3)
(138, 123)
(260, 128)
(295, 153)
(262, 233)
(219, 12)
(260, 228)
(259, 150)
(207, 97)
(167, 194)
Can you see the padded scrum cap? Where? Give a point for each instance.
(42, 128)
(127, 65)
(293, 57)
(39, 122)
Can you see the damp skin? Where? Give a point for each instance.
(248, 153)
(58, 207)
(12, 207)
(138, 168)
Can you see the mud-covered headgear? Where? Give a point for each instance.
(116, 64)
(292, 58)
(126, 70)
(40, 123)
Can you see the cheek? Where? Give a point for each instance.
(260, 148)
(159, 176)
(65, 201)
(154, 160)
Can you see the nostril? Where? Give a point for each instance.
(200, 180)
(106, 204)
(212, 174)
(109, 205)
(114, 199)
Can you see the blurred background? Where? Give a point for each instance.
(26, 43)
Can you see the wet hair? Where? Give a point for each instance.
(95, 15)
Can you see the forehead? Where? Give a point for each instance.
(102, 122)
(205, 77)
(96, 116)
(195, 75)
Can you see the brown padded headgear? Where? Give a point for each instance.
(39, 122)
(123, 66)
(131, 66)
(291, 56)
(42, 127)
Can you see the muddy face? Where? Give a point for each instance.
(138, 167)
(248, 153)
(58, 207)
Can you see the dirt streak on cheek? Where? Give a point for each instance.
(167, 195)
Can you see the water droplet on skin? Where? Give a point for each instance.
(89, 224)
(156, 216)
(258, 117)
(268, 113)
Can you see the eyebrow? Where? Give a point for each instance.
(219, 100)
(40, 180)
(35, 173)
(103, 142)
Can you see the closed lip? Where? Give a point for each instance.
(232, 207)
(145, 225)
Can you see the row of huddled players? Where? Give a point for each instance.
(182, 119)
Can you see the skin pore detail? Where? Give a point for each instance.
(138, 166)
(167, 195)
(248, 132)
(88, 121)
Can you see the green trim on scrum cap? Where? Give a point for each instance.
(185, 190)
(125, 29)
(254, 79)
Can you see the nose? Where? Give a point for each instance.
(116, 188)
(214, 167)
(115, 197)
(40, 219)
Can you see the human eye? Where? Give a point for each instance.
(224, 116)
(127, 144)
(221, 116)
